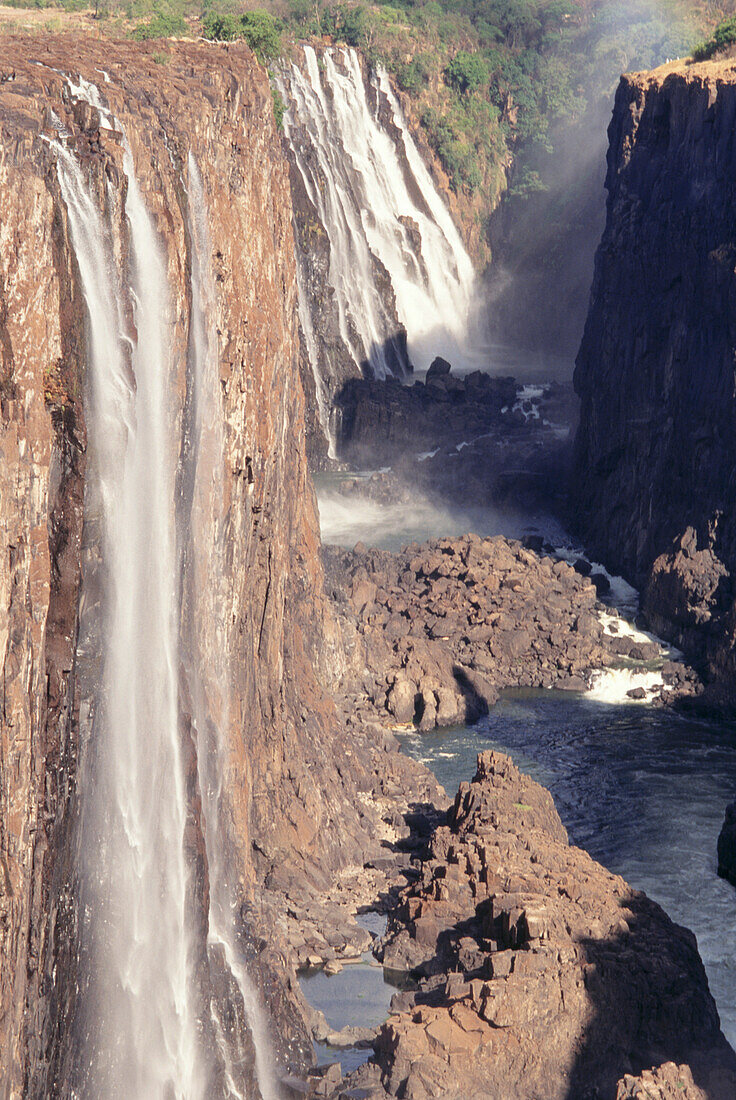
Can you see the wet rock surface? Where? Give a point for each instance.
(441, 628)
(472, 438)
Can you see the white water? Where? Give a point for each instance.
(612, 685)
(320, 385)
(362, 187)
(209, 672)
(141, 1021)
(142, 1036)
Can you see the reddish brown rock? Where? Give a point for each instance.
(443, 627)
(542, 975)
(292, 771)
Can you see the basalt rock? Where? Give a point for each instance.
(470, 438)
(653, 487)
(439, 629)
(727, 846)
(541, 975)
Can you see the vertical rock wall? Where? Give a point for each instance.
(655, 452)
(215, 102)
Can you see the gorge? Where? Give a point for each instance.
(202, 789)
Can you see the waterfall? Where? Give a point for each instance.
(150, 1022)
(376, 201)
(208, 671)
(136, 931)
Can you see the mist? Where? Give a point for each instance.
(543, 242)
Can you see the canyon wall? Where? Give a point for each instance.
(653, 485)
(282, 790)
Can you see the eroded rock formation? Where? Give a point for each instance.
(540, 971)
(443, 627)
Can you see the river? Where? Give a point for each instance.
(642, 789)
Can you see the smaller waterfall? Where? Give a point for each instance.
(204, 641)
(382, 213)
(141, 1028)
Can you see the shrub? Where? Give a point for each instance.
(466, 71)
(161, 25)
(458, 159)
(259, 29)
(220, 28)
(279, 107)
(723, 37)
(352, 24)
(262, 33)
(414, 74)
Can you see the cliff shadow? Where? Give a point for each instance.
(648, 992)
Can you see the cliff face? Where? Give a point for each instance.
(655, 450)
(212, 102)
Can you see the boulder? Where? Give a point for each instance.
(400, 701)
(438, 368)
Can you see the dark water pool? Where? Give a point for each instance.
(643, 790)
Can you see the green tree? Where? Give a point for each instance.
(260, 30)
(466, 71)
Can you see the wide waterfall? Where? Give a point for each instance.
(385, 220)
(166, 1010)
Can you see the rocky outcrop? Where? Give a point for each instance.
(471, 439)
(381, 421)
(654, 456)
(442, 628)
(540, 973)
(727, 846)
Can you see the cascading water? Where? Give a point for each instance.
(205, 651)
(151, 1024)
(141, 1019)
(375, 199)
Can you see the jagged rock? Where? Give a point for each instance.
(727, 846)
(667, 1082)
(439, 368)
(541, 974)
(450, 623)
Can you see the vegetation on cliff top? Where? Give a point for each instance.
(492, 83)
(489, 81)
(723, 38)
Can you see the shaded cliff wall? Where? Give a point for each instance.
(283, 787)
(655, 452)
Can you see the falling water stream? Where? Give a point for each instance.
(136, 930)
(375, 198)
(152, 629)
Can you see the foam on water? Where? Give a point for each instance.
(612, 685)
